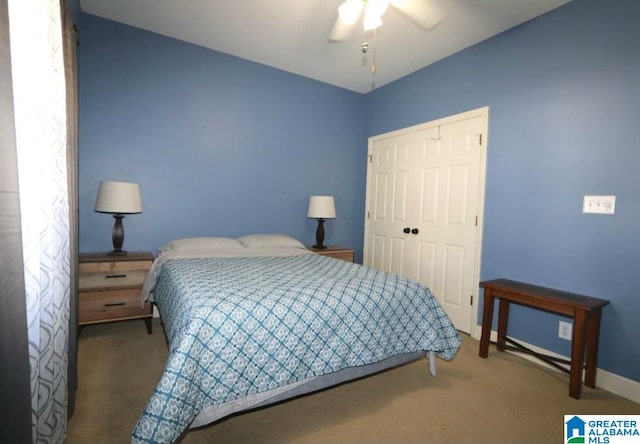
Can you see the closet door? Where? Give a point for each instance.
(396, 186)
(424, 189)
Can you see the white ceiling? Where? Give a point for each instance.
(292, 35)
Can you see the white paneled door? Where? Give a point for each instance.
(425, 188)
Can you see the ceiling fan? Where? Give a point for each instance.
(421, 12)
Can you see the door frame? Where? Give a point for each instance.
(483, 113)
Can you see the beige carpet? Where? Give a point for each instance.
(502, 399)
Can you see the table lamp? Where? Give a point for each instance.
(321, 208)
(118, 198)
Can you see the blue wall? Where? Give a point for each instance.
(219, 145)
(564, 96)
(222, 146)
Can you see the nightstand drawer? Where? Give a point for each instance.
(112, 305)
(345, 254)
(110, 287)
(112, 279)
(113, 266)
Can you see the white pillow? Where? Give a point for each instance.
(270, 241)
(200, 243)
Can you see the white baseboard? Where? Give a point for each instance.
(621, 386)
(611, 382)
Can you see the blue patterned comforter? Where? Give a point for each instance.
(246, 325)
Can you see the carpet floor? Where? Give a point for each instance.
(502, 399)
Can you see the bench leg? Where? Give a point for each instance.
(503, 321)
(577, 354)
(593, 333)
(487, 317)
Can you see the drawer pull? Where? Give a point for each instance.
(115, 304)
(115, 276)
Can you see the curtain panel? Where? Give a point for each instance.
(69, 40)
(40, 95)
(15, 408)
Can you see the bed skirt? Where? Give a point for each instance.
(216, 412)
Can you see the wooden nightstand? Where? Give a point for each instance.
(110, 287)
(346, 254)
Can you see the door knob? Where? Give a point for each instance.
(407, 230)
(415, 231)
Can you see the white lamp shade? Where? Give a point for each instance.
(118, 198)
(321, 207)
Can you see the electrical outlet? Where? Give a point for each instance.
(565, 330)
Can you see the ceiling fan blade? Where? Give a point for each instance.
(349, 13)
(422, 12)
(341, 31)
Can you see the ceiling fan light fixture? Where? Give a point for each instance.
(423, 13)
(373, 12)
(350, 11)
(377, 7)
(371, 21)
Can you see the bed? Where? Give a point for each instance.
(259, 319)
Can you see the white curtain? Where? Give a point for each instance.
(41, 132)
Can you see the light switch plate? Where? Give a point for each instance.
(599, 204)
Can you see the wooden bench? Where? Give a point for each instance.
(584, 310)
